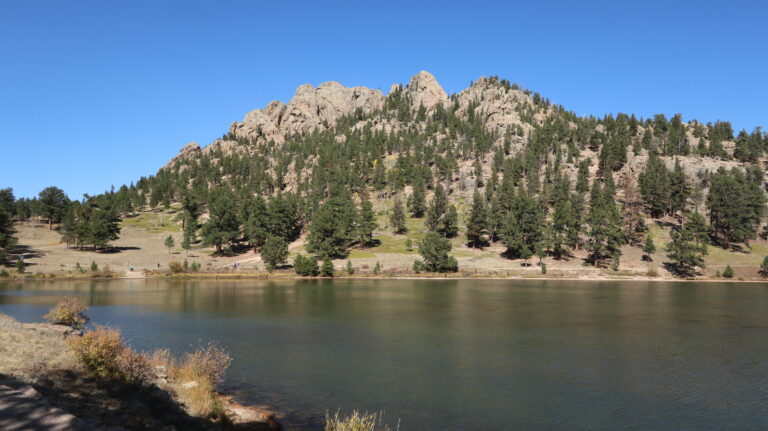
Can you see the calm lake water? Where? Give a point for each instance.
(459, 355)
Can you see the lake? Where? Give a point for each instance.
(459, 354)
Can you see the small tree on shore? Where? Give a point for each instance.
(70, 312)
(306, 266)
(728, 272)
(764, 267)
(434, 249)
(326, 270)
(274, 252)
(169, 243)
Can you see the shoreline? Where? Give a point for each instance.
(57, 389)
(291, 276)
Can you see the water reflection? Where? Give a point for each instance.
(469, 354)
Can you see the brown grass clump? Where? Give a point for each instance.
(103, 353)
(70, 312)
(211, 362)
(196, 377)
(176, 267)
(196, 392)
(357, 421)
(652, 271)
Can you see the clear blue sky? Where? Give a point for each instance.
(103, 92)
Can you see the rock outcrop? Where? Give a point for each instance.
(425, 91)
(310, 109)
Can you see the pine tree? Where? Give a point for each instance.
(437, 209)
(274, 252)
(186, 244)
(605, 235)
(306, 266)
(655, 186)
(222, 226)
(736, 205)
(434, 249)
(477, 223)
(679, 190)
(366, 223)
(7, 231)
(582, 179)
(563, 231)
(683, 253)
(649, 248)
(283, 218)
(327, 270)
(416, 200)
(53, 202)
(764, 267)
(728, 272)
(332, 229)
(524, 226)
(632, 208)
(450, 223)
(697, 226)
(397, 219)
(256, 222)
(169, 243)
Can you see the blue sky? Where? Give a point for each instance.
(100, 93)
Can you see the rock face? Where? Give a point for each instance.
(310, 109)
(189, 150)
(426, 91)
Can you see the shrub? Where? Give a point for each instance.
(543, 268)
(210, 362)
(764, 266)
(418, 266)
(652, 272)
(176, 267)
(135, 368)
(728, 273)
(20, 266)
(377, 268)
(357, 421)
(327, 269)
(306, 266)
(4, 273)
(94, 267)
(274, 252)
(350, 268)
(98, 351)
(70, 312)
(103, 353)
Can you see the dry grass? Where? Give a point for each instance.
(356, 421)
(195, 377)
(25, 351)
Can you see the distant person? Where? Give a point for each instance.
(158, 264)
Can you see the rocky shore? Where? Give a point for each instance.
(42, 387)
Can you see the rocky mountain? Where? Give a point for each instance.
(508, 114)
